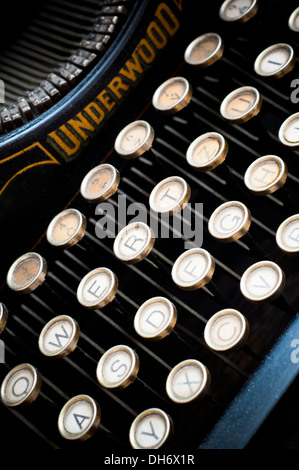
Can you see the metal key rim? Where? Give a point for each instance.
(281, 71)
(246, 115)
(241, 18)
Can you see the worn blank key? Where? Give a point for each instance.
(262, 282)
(187, 381)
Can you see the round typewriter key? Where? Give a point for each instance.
(238, 10)
(289, 131)
(170, 195)
(207, 152)
(294, 20)
(265, 175)
(97, 288)
(27, 273)
(230, 221)
(226, 330)
(204, 50)
(151, 429)
(134, 140)
(193, 269)
(241, 105)
(262, 282)
(59, 337)
(21, 386)
(66, 229)
(172, 96)
(134, 243)
(275, 61)
(287, 235)
(187, 381)
(118, 367)
(79, 418)
(155, 318)
(100, 183)
(3, 316)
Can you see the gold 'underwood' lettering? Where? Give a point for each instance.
(106, 100)
(70, 138)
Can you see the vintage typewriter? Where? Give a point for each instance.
(183, 342)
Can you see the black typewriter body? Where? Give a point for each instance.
(44, 156)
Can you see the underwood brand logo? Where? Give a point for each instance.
(22, 161)
(70, 138)
(295, 352)
(2, 92)
(2, 352)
